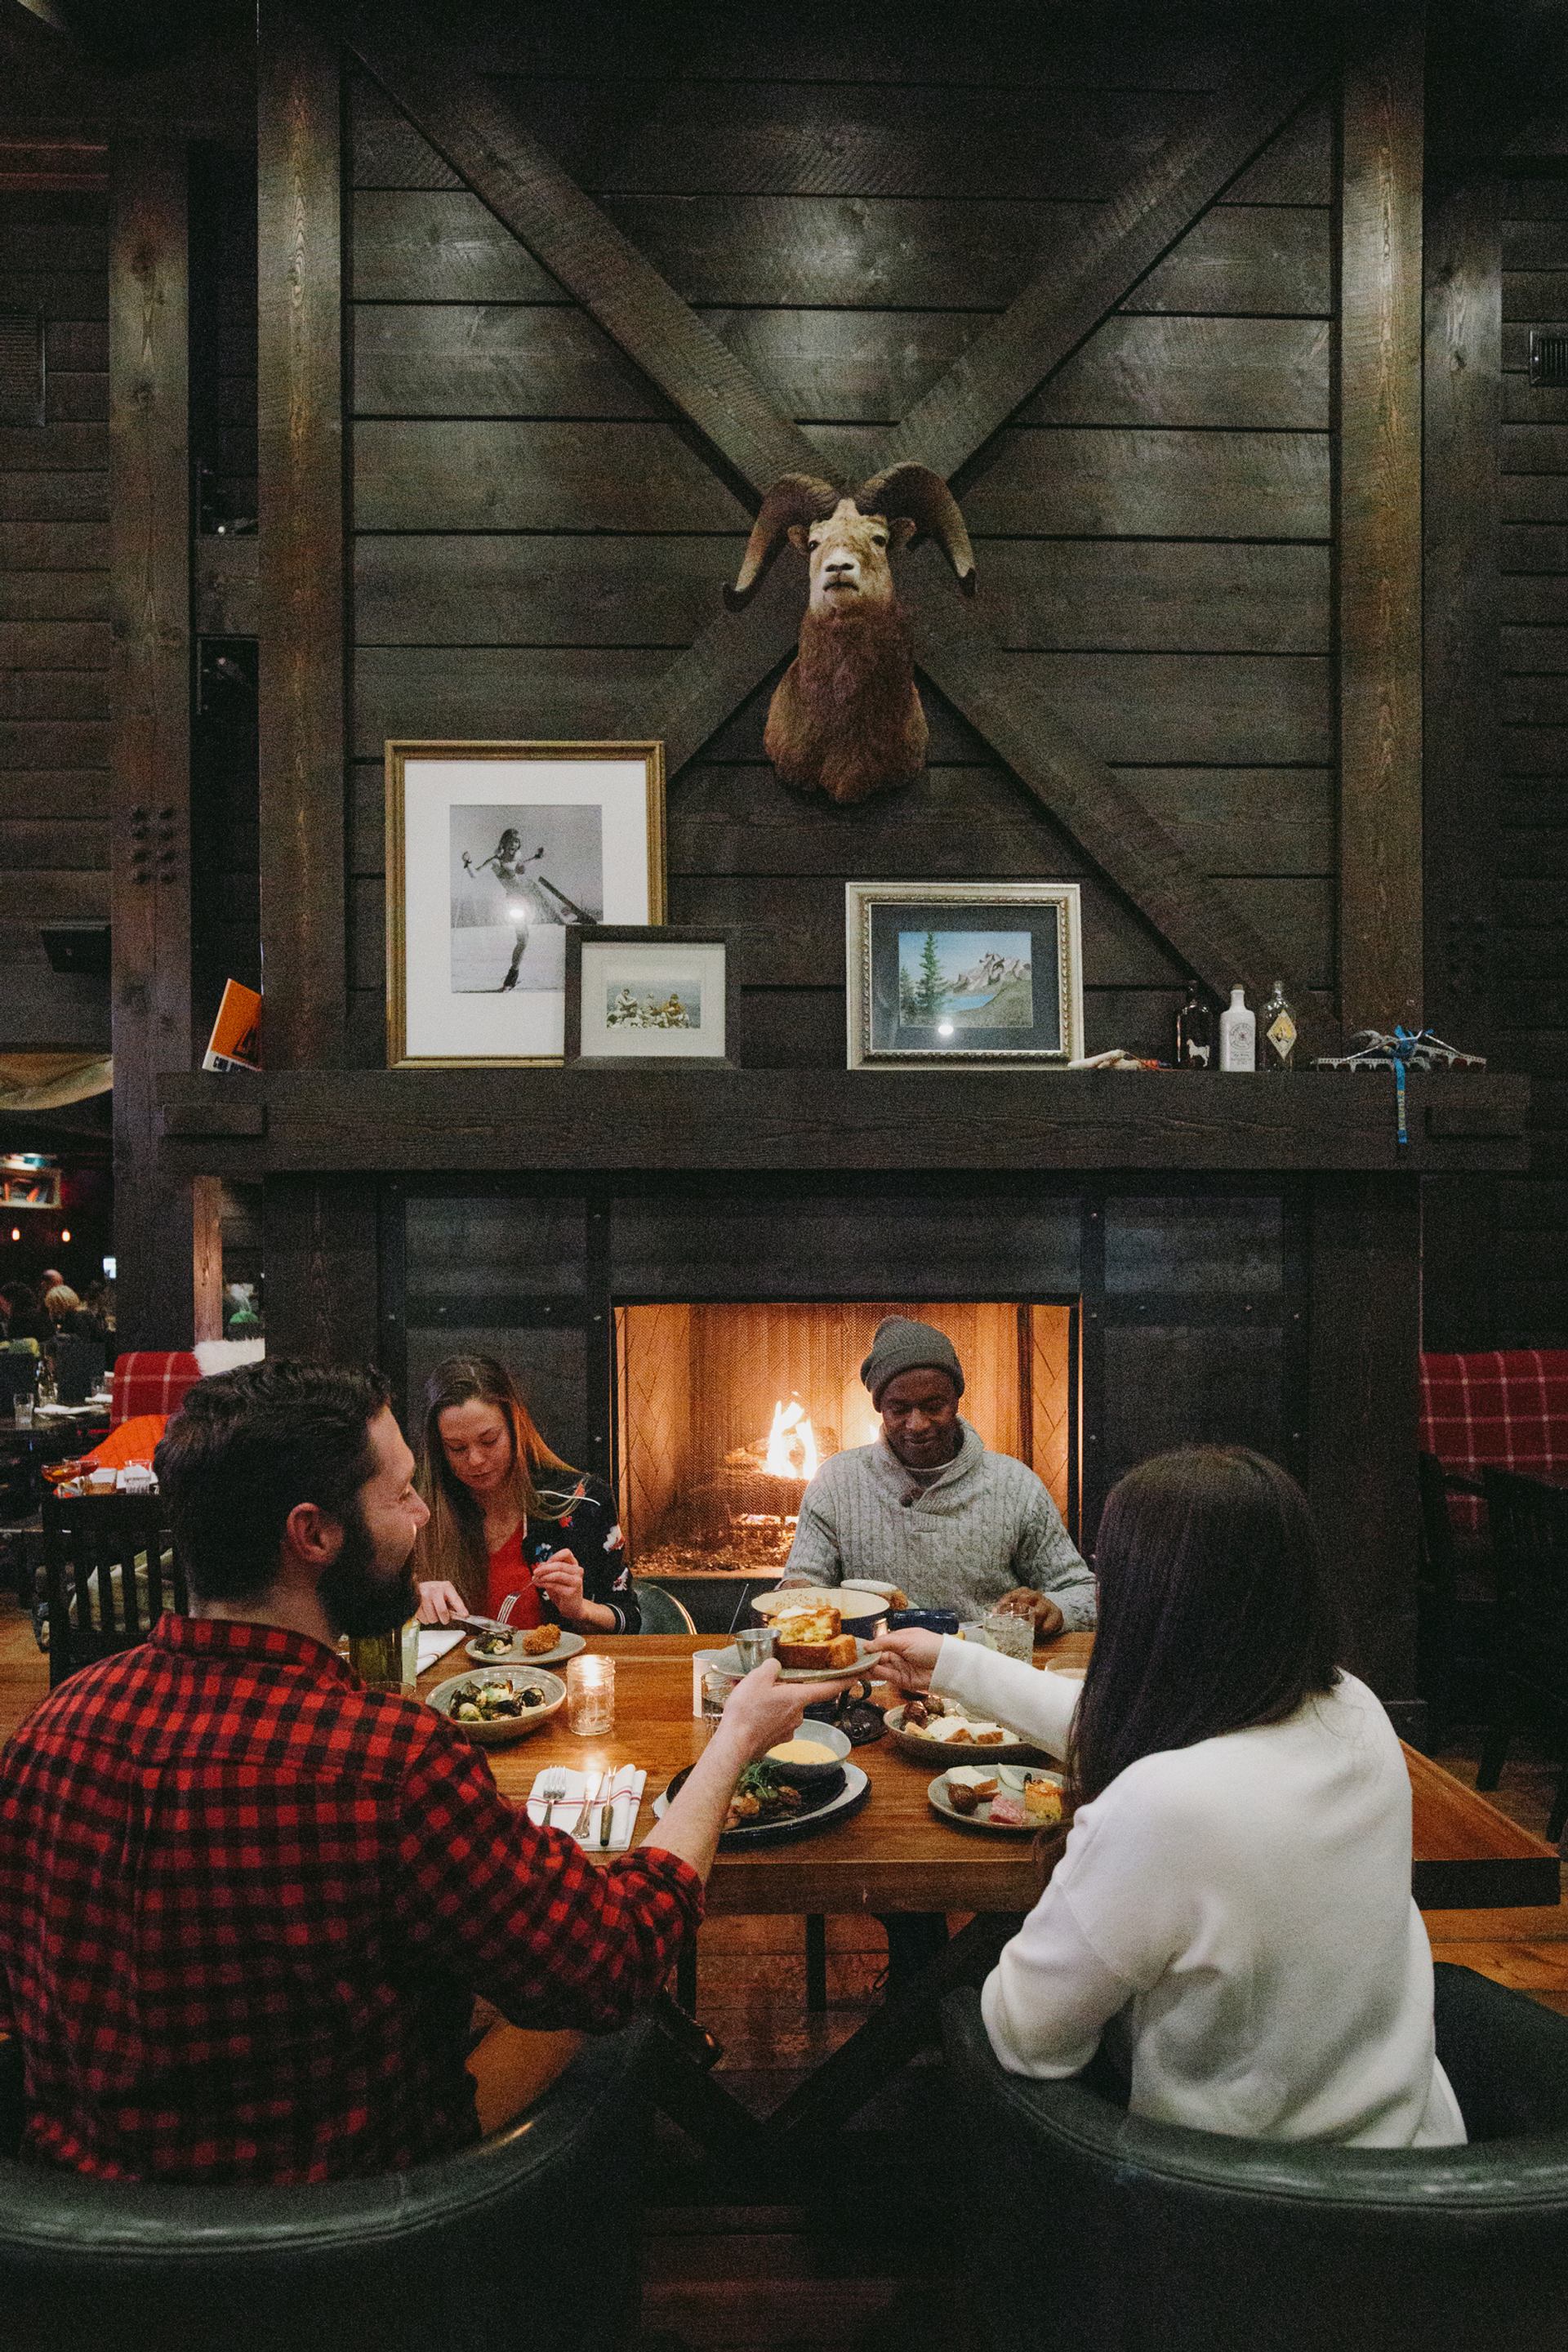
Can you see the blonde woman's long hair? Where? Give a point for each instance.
(451, 1546)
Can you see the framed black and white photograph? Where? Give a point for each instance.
(496, 855)
(641, 994)
(971, 975)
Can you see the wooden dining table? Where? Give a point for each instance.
(897, 1853)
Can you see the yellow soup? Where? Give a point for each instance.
(800, 1751)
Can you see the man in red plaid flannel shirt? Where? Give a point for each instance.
(246, 1903)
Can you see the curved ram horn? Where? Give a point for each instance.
(922, 497)
(794, 498)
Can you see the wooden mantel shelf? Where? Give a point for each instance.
(585, 1117)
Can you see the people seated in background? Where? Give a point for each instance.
(246, 1902)
(24, 1316)
(931, 1509)
(66, 1313)
(508, 1518)
(1232, 1913)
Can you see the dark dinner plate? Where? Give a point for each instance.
(820, 1806)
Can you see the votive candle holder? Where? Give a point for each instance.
(591, 1695)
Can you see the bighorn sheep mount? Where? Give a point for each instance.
(846, 716)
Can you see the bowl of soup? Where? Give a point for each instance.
(815, 1752)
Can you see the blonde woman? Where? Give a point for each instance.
(509, 1516)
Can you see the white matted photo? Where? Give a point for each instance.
(651, 996)
(495, 853)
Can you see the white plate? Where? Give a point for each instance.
(981, 1817)
(730, 1662)
(855, 1784)
(566, 1647)
(856, 1603)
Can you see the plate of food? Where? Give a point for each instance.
(810, 1645)
(771, 1804)
(535, 1645)
(498, 1704)
(1008, 1803)
(858, 1604)
(933, 1726)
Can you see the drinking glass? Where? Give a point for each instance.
(1012, 1635)
(22, 1405)
(591, 1695)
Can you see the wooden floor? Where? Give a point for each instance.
(738, 2263)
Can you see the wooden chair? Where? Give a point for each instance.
(1529, 1522)
(109, 1572)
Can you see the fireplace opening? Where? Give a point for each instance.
(725, 1410)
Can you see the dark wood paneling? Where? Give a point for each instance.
(54, 645)
(1365, 1340)
(54, 595)
(320, 1249)
(302, 559)
(1153, 484)
(47, 546)
(72, 792)
(457, 476)
(34, 497)
(1269, 372)
(1379, 532)
(1460, 557)
(149, 602)
(840, 252)
(47, 1010)
(484, 588)
(565, 694)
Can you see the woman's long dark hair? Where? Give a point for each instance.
(451, 1546)
(1215, 1610)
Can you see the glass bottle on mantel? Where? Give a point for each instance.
(1279, 1029)
(1237, 1034)
(1195, 1031)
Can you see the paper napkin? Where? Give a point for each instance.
(623, 1792)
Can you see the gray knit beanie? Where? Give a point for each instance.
(901, 1344)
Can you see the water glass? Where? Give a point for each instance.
(972, 1632)
(1012, 1635)
(591, 1695)
(22, 1408)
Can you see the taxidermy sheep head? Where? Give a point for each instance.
(846, 716)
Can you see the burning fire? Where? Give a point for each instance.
(792, 1444)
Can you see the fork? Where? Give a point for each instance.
(550, 1790)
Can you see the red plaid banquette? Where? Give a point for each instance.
(150, 1380)
(1507, 1407)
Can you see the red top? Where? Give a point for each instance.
(510, 1574)
(246, 1903)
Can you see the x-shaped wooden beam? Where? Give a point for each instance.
(468, 124)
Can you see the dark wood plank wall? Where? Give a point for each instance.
(1532, 887)
(54, 588)
(534, 538)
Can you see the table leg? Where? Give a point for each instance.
(896, 2033)
(684, 2090)
(816, 1963)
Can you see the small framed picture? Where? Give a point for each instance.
(964, 976)
(638, 994)
(496, 855)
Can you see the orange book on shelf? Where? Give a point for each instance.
(236, 1041)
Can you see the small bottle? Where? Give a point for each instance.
(1237, 1034)
(1279, 1029)
(1195, 1031)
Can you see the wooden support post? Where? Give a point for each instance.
(150, 604)
(301, 490)
(1364, 1335)
(1379, 532)
(207, 1257)
(319, 1250)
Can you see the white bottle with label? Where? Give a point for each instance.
(1237, 1034)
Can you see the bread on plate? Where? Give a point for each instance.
(814, 1637)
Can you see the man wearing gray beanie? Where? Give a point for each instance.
(929, 1508)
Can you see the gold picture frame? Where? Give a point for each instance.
(442, 1007)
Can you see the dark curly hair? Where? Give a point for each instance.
(246, 1447)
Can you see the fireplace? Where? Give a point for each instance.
(726, 1408)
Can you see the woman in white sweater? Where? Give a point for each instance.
(1232, 1912)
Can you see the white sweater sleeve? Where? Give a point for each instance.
(1050, 1995)
(1039, 1705)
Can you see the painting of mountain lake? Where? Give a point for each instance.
(953, 981)
(964, 976)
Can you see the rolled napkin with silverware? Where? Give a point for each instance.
(599, 1809)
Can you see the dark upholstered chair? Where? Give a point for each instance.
(1093, 2228)
(1529, 1522)
(526, 2240)
(662, 1611)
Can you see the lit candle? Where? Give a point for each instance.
(591, 1695)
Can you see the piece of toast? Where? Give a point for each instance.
(838, 1650)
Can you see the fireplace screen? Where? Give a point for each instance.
(725, 1411)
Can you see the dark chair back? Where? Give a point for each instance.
(79, 1366)
(109, 1573)
(19, 1369)
(1529, 1522)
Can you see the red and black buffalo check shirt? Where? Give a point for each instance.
(246, 1903)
